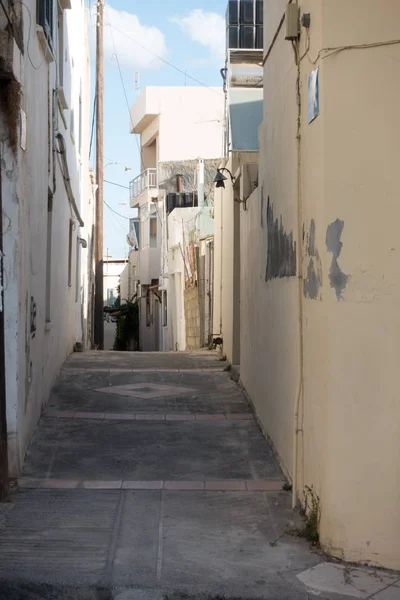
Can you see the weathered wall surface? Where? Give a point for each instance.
(227, 257)
(43, 306)
(192, 317)
(338, 224)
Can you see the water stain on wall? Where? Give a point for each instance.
(281, 257)
(338, 279)
(262, 208)
(313, 281)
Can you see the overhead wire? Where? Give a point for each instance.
(165, 61)
(125, 187)
(93, 123)
(123, 86)
(114, 211)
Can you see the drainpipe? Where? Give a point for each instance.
(62, 153)
(300, 391)
(3, 404)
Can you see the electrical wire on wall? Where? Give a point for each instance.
(331, 51)
(35, 67)
(185, 73)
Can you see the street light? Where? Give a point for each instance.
(115, 162)
(220, 179)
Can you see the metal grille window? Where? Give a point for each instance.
(45, 17)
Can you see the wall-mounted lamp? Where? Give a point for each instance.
(220, 179)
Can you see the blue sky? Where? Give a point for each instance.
(187, 33)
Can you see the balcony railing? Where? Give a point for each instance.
(146, 180)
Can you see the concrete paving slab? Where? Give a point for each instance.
(136, 548)
(346, 580)
(225, 539)
(202, 393)
(390, 593)
(138, 360)
(57, 536)
(140, 450)
(68, 534)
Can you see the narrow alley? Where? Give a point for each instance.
(148, 472)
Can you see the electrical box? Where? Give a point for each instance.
(292, 22)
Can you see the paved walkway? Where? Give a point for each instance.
(148, 472)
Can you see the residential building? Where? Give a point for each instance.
(319, 275)
(47, 197)
(243, 86)
(112, 270)
(130, 275)
(180, 128)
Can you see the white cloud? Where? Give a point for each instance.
(130, 54)
(206, 28)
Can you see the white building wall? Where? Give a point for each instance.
(112, 271)
(189, 121)
(43, 308)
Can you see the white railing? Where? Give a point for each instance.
(147, 179)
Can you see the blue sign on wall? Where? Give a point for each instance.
(313, 95)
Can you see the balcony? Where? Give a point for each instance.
(145, 181)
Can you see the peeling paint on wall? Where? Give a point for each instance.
(313, 281)
(338, 279)
(281, 257)
(262, 208)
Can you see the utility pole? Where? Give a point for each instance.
(99, 298)
(3, 415)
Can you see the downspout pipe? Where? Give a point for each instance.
(62, 154)
(297, 428)
(4, 489)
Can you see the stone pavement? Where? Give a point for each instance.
(148, 478)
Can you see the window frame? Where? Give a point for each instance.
(45, 18)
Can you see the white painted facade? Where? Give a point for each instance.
(180, 221)
(176, 125)
(112, 271)
(48, 206)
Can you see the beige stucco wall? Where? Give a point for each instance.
(349, 438)
(227, 280)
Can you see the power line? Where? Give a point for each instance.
(125, 93)
(165, 61)
(93, 122)
(125, 187)
(114, 211)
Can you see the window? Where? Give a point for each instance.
(45, 18)
(80, 123)
(77, 269)
(165, 308)
(60, 47)
(148, 309)
(153, 231)
(48, 255)
(71, 229)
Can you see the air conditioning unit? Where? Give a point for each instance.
(10, 57)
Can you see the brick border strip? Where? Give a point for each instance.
(75, 370)
(226, 485)
(201, 417)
